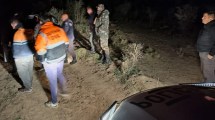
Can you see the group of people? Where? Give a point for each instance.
(99, 28)
(50, 44)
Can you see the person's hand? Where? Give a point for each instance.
(94, 22)
(210, 57)
(9, 44)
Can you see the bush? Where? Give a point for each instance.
(185, 16)
(122, 11)
(77, 12)
(130, 54)
(56, 13)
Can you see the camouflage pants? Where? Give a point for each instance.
(104, 43)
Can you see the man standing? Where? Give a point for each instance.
(67, 25)
(102, 31)
(23, 55)
(51, 44)
(91, 18)
(206, 46)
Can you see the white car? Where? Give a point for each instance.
(180, 102)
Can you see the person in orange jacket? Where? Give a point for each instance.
(51, 46)
(23, 54)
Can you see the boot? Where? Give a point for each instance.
(73, 61)
(101, 56)
(107, 59)
(66, 59)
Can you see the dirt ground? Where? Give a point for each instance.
(174, 58)
(93, 88)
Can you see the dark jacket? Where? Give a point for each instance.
(91, 19)
(206, 39)
(68, 28)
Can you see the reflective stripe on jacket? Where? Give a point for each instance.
(51, 42)
(21, 46)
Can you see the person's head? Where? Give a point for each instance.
(89, 10)
(15, 24)
(44, 18)
(64, 17)
(208, 17)
(100, 7)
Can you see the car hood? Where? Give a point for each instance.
(181, 102)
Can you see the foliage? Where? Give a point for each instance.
(152, 14)
(77, 12)
(186, 13)
(129, 65)
(56, 13)
(185, 16)
(122, 11)
(131, 52)
(118, 37)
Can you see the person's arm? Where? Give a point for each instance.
(105, 21)
(40, 47)
(212, 51)
(94, 22)
(66, 27)
(66, 39)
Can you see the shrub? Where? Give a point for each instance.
(122, 11)
(77, 12)
(56, 13)
(185, 16)
(129, 65)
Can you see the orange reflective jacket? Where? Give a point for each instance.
(51, 42)
(22, 35)
(21, 43)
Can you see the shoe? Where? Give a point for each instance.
(101, 57)
(64, 94)
(65, 61)
(92, 51)
(51, 105)
(39, 68)
(107, 61)
(25, 90)
(73, 62)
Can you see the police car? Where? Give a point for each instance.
(179, 102)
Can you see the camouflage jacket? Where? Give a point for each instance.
(102, 22)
